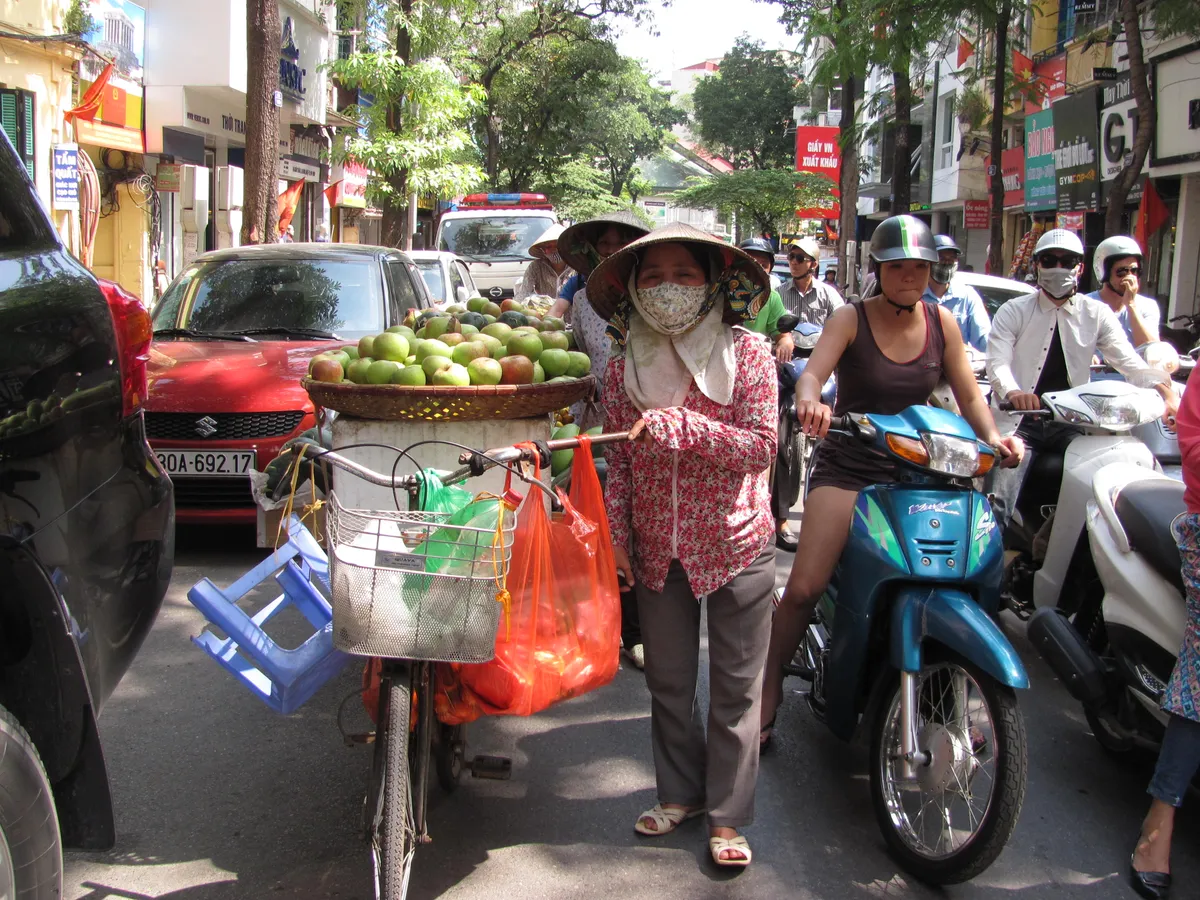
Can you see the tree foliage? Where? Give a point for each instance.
(744, 112)
(768, 198)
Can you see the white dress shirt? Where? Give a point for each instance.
(1021, 334)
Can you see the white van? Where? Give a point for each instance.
(493, 232)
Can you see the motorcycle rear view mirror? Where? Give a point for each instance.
(787, 322)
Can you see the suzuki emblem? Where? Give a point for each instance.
(206, 427)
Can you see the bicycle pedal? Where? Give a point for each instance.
(498, 768)
(366, 737)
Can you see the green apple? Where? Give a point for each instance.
(453, 374)
(432, 364)
(555, 340)
(357, 372)
(381, 371)
(555, 361)
(366, 346)
(452, 338)
(468, 329)
(419, 334)
(561, 379)
(351, 351)
(438, 326)
(489, 319)
(413, 376)
(580, 364)
(411, 360)
(485, 370)
(523, 344)
(469, 350)
(553, 323)
(432, 347)
(571, 345)
(476, 304)
(408, 333)
(490, 342)
(491, 309)
(539, 374)
(498, 330)
(391, 346)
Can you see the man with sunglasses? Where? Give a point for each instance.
(1045, 341)
(1117, 264)
(805, 296)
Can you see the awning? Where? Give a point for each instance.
(337, 120)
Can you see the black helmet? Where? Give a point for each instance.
(945, 242)
(903, 237)
(757, 245)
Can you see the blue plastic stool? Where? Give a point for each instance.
(283, 679)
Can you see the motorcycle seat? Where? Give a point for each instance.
(1146, 510)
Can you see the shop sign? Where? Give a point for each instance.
(1012, 170)
(1041, 191)
(1076, 156)
(302, 145)
(818, 151)
(1178, 102)
(351, 183)
(291, 170)
(291, 76)
(1050, 83)
(977, 214)
(167, 177)
(66, 176)
(1069, 221)
(1118, 131)
(119, 34)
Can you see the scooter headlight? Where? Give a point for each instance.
(951, 455)
(1124, 411)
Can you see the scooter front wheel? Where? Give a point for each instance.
(950, 821)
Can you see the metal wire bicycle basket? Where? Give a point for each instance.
(410, 585)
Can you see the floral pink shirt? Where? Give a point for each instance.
(700, 492)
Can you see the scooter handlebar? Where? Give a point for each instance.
(1043, 413)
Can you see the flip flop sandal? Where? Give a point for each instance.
(665, 819)
(737, 844)
(765, 734)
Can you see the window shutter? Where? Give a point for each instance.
(25, 149)
(8, 116)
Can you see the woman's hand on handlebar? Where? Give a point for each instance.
(814, 417)
(639, 435)
(1024, 401)
(1011, 450)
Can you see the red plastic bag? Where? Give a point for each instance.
(560, 636)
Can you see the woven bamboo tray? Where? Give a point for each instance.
(396, 402)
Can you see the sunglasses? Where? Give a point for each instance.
(1127, 270)
(799, 257)
(1050, 261)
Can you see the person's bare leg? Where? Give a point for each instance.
(1153, 852)
(823, 534)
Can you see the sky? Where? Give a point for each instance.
(691, 31)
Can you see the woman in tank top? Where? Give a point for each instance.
(889, 352)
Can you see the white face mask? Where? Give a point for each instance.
(671, 308)
(1058, 283)
(553, 258)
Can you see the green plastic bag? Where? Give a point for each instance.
(434, 496)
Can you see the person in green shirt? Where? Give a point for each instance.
(766, 324)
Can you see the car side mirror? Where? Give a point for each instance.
(787, 322)
(462, 295)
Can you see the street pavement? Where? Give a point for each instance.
(218, 797)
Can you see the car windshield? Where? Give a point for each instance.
(232, 295)
(431, 271)
(995, 297)
(493, 237)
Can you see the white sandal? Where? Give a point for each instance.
(737, 844)
(665, 819)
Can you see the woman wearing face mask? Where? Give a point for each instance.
(548, 272)
(889, 351)
(690, 510)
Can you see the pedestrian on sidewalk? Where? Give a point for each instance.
(690, 510)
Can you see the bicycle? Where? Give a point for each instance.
(394, 812)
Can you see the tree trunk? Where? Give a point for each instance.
(394, 226)
(848, 178)
(1145, 126)
(260, 219)
(902, 160)
(491, 162)
(996, 250)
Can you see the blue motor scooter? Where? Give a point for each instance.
(904, 640)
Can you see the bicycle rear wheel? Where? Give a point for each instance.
(393, 834)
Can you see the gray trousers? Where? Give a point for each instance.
(719, 772)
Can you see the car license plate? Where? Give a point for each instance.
(232, 463)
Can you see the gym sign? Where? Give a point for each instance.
(291, 76)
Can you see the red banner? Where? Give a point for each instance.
(1012, 168)
(1048, 83)
(977, 214)
(818, 151)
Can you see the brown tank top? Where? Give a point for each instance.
(869, 382)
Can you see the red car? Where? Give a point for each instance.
(233, 336)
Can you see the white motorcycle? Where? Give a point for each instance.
(1049, 559)
(1118, 654)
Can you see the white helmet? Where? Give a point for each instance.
(1114, 247)
(1059, 239)
(809, 246)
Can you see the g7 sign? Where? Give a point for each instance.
(1118, 130)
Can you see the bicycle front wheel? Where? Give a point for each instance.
(393, 835)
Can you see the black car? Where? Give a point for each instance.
(86, 535)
